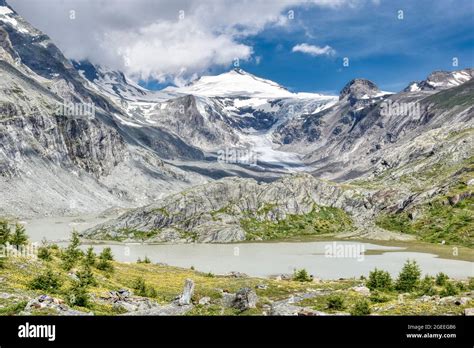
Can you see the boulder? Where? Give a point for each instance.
(205, 300)
(185, 298)
(50, 303)
(363, 290)
(284, 277)
(171, 309)
(462, 301)
(469, 311)
(283, 308)
(227, 299)
(245, 299)
(426, 298)
(124, 300)
(234, 274)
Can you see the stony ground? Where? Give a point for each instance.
(169, 290)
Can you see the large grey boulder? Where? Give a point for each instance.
(245, 299)
(185, 298)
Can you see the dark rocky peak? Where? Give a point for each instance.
(94, 72)
(89, 70)
(359, 89)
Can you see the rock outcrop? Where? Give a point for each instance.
(188, 290)
(213, 212)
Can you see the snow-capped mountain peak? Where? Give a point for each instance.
(9, 17)
(237, 83)
(440, 80)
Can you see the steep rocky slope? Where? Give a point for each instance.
(236, 209)
(390, 156)
(366, 127)
(56, 162)
(428, 161)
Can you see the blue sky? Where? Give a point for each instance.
(380, 47)
(147, 40)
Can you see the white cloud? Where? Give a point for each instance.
(146, 38)
(313, 50)
(174, 50)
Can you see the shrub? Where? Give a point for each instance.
(90, 258)
(379, 280)
(5, 232)
(105, 266)
(105, 259)
(86, 277)
(441, 279)
(335, 302)
(378, 297)
(143, 289)
(78, 295)
(13, 309)
(44, 253)
(145, 260)
(72, 253)
(106, 254)
(409, 277)
(426, 286)
(19, 237)
(471, 283)
(302, 276)
(361, 307)
(48, 281)
(461, 286)
(449, 290)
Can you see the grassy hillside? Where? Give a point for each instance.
(321, 220)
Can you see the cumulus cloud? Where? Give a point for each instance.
(172, 40)
(313, 50)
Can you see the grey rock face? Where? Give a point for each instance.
(81, 164)
(245, 298)
(124, 300)
(363, 290)
(227, 299)
(440, 80)
(185, 298)
(349, 141)
(204, 301)
(117, 158)
(359, 89)
(212, 213)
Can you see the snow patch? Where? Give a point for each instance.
(5, 10)
(127, 123)
(238, 83)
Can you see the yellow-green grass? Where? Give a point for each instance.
(168, 282)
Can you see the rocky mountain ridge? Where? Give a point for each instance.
(143, 150)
